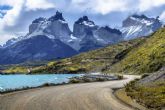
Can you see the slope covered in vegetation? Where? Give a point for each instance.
(146, 58)
(94, 61)
(149, 91)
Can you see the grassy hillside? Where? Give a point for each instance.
(146, 58)
(93, 61)
(21, 68)
(149, 91)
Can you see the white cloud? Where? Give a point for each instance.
(8, 2)
(18, 8)
(38, 4)
(162, 17)
(145, 5)
(1, 15)
(5, 36)
(100, 6)
(107, 6)
(11, 15)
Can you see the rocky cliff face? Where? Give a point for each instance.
(54, 27)
(82, 26)
(106, 35)
(89, 42)
(92, 36)
(139, 25)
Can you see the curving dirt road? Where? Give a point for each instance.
(87, 96)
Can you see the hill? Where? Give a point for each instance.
(146, 58)
(149, 91)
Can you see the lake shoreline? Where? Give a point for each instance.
(79, 79)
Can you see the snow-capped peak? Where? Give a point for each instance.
(139, 25)
(39, 20)
(57, 16)
(13, 41)
(85, 21)
(116, 31)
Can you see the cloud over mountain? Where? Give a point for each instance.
(21, 13)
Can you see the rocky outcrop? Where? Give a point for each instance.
(107, 35)
(82, 26)
(92, 36)
(55, 27)
(89, 42)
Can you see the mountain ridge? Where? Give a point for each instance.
(86, 34)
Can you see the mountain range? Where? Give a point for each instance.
(51, 38)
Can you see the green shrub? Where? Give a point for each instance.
(73, 80)
(152, 95)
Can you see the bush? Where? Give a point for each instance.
(151, 96)
(74, 80)
(144, 75)
(120, 77)
(100, 79)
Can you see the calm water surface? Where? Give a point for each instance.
(20, 81)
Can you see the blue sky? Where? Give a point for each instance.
(16, 15)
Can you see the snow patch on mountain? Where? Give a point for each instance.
(139, 25)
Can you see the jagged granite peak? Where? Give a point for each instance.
(54, 27)
(57, 16)
(139, 20)
(39, 20)
(139, 25)
(85, 21)
(89, 42)
(140, 16)
(116, 31)
(83, 25)
(107, 35)
(12, 41)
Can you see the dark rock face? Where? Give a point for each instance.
(89, 43)
(116, 31)
(84, 18)
(157, 76)
(106, 35)
(135, 20)
(9, 42)
(55, 26)
(35, 48)
(57, 16)
(82, 26)
(92, 36)
(39, 20)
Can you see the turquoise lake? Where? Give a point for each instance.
(20, 81)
